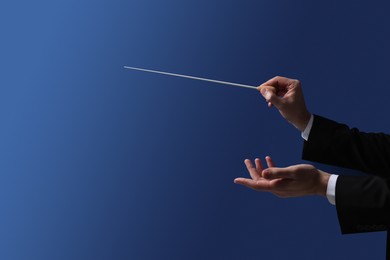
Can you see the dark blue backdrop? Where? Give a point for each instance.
(98, 162)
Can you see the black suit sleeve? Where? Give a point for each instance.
(363, 203)
(336, 144)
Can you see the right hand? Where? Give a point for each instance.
(287, 96)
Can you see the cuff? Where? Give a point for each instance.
(305, 134)
(331, 189)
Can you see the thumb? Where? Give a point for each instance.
(269, 93)
(277, 173)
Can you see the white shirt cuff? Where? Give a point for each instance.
(305, 134)
(331, 189)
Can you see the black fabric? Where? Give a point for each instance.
(362, 202)
(388, 246)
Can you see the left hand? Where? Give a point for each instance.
(293, 181)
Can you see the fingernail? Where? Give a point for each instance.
(267, 95)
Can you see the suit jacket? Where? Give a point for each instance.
(362, 202)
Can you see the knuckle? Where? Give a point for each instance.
(296, 82)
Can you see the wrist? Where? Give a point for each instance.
(302, 121)
(323, 183)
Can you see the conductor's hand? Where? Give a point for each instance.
(287, 96)
(293, 181)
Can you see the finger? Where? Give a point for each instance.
(251, 169)
(278, 82)
(278, 173)
(273, 99)
(267, 91)
(270, 95)
(256, 185)
(259, 165)
(282, 85)
(245, 181)
(270, 162)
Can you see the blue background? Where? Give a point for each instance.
(99, 162)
